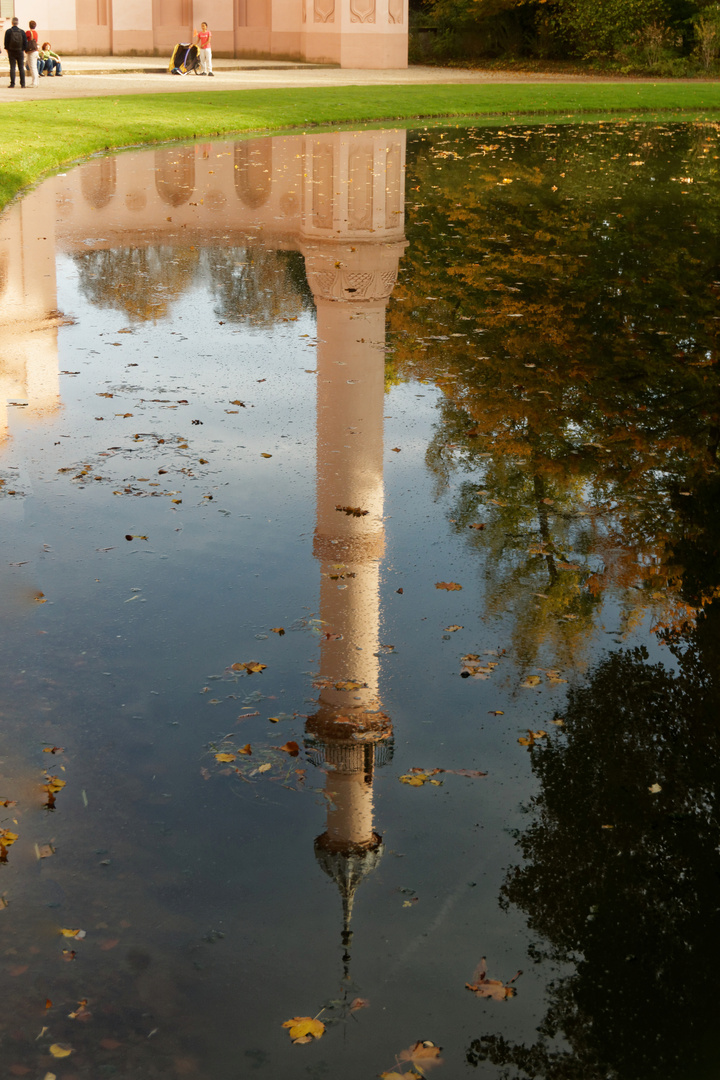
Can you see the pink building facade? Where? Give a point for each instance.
(349, 33)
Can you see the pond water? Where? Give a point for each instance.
(359, 562)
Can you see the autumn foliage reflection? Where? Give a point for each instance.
(571, 323)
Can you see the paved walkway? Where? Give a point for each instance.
(93, 76)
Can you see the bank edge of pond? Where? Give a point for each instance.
(38, 138)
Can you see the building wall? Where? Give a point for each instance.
(349, 33)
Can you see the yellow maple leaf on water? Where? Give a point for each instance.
(224, 757)
(61, 1050)
(304, 1029)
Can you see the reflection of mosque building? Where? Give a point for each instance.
(339, 200)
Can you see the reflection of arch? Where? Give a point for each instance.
(97, 182)
(175, 174)
(253, 176)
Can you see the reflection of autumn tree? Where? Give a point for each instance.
(623, 881)
(620, 878)
(257, 284)
(575, 299)
(253, 283)
(139, 281)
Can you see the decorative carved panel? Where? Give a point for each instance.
(395, 11)
(324, 11)
(360, 187)
(323, 174)
(362, 11)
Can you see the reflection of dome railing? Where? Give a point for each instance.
(349, 757)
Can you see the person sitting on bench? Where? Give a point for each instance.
(48, 61)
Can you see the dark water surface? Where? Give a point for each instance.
(266, 401)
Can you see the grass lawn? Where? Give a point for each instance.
(39, 137)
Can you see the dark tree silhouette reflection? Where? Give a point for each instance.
(621, 879)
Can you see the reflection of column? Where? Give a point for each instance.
(352, 238)
(28, 306)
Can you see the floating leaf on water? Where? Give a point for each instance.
(654, 789)
(532, 737)
(424, 1053)
(349, 685)
(453, 628)
(54, 750)
(304, 1029)
(359, 1003)
(450, 586)
(352, 511)
(61, 1050)
(290, 748)
(251, 667)
(264, 768)
(494, 989)
(225, 757)
(532, 680)
(279, 630)
(79, 934)
(7, 839)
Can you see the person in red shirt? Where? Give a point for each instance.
(203, 37)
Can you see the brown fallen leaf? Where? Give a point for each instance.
(279, 630)
(266, 455)
(246, 749)
(54, 750)
(7, 839)
(451, 586)
(425, 1054)
(349, 685)
(8, 802)
(68, 955)
(495, 712)
(251, 667)
(453, 628)
(359, 1003)
(290, 748)
(225, 757)
(352, 511)
(495, 989)
(395, 449)
(304, 1029)
(531, 680)
(79, 934)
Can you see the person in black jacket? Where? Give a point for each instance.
(15, 46)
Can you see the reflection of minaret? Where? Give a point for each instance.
(28, 307)
(352, 239)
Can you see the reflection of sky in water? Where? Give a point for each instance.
(208, 921)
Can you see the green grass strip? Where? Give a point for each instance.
(39, 137)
